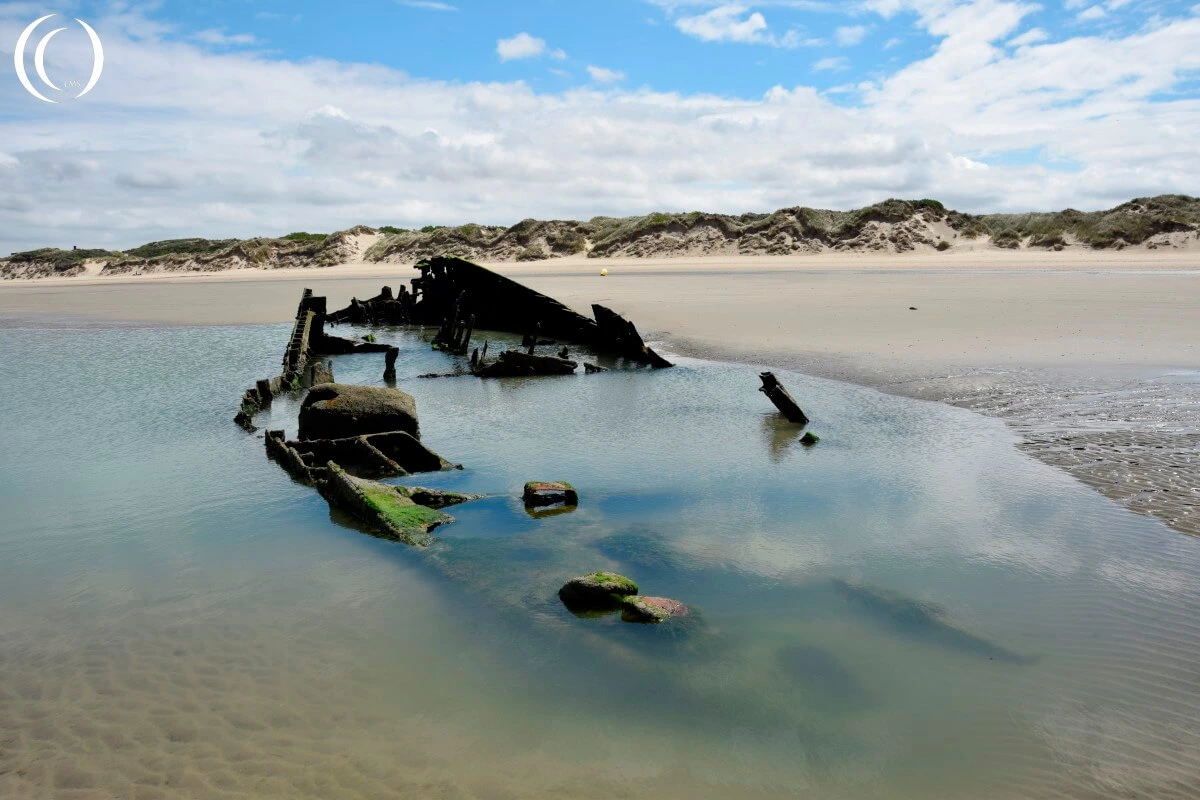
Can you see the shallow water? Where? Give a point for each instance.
(910, 609)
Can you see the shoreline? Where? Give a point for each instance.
(1136, 259)
(1096, 368)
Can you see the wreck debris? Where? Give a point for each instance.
(349, 434)
(455, 334)
(550, 493)
(498, 303)
(621, 337)
(390, 511)
(778, 395)
(383, 308)
(460, 296)
(265, 393)
(389, 363)
(339, 411)
(379, 455)
(303, 364)
(515, 364)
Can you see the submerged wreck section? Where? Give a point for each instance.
(460, 296)
(381, 455)
(351, 434)
(303, 359)
(515, 364)
(393, 512)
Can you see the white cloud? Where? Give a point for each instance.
(219, 38)
(1095, 12)
(733, 23)
(831, 64)
(428, 5)
(180, 140)
(525, 46)
(851, 35)
(1031, 36)
(602, 75)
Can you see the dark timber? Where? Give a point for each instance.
(459, 297)
(778, 395)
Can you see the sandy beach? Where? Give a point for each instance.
(1092, 357)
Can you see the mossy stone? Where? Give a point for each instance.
(596, 591)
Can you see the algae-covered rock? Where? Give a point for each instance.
(340, 411)
(596, 591)
(809, 439)
(651, 609)
(390, 511)
(549, 493)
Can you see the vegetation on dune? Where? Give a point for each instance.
(1130, 223)
(892, 225)
(60, 260)
(304, 236)
(180, 247)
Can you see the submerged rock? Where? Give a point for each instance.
(549, 493)
(651, 609)
(596, 591)
(340, 411)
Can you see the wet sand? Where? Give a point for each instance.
(1092, 357)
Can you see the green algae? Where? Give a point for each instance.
(613, 583)
(400, 511)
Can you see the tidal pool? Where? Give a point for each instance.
(910, 609)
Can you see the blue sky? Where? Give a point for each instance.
(234, 118)
(739, 49)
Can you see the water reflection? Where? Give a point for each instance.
(782, 437)
(849, 600)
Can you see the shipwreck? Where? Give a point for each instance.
(350, 437)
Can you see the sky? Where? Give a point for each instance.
(237, 118)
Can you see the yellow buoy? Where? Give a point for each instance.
(603, 273)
